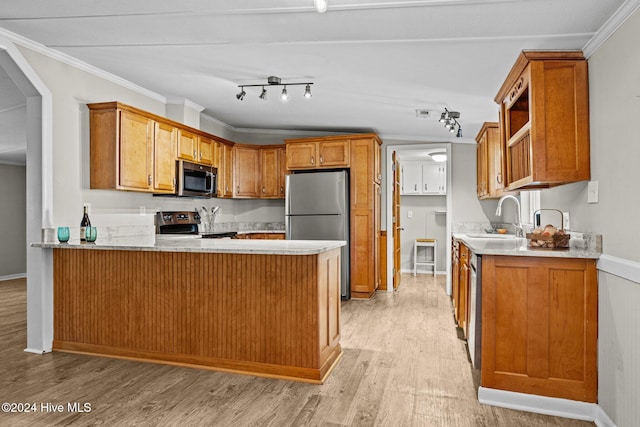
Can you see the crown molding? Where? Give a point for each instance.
(611, 26)
(187, 103)
(81, 65)
(217, 122)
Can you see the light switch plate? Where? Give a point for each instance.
(592, 192)
(409, 214)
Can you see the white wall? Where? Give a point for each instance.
(424, 223)
(13, 197)
(614, 93)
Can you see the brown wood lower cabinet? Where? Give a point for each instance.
(268, 315)
(261, 236)
(540, 326)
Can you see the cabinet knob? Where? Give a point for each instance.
(321, 160)
(195, 154)
(415, 187)
(174, 182)
(263, 190)
(499, 178)
(425, 187)
(313, 160)
(149, 180)
(281, 190)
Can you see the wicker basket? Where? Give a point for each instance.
(557, 241)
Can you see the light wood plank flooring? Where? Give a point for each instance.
(403, 365)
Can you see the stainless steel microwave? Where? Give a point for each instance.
(195, 180)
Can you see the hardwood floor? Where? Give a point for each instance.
(403, 365)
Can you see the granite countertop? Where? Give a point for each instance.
(241, 246)
(581, 245)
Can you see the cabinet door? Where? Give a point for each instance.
(411, 178)
(481, 166)
(282, 170)
(333, 153)
(205, 150)
(246, 171)
(377, 194)
(431, 178)
(540, 326)
(225, 171)
(187, 145)
(301, 155)
(377, 163)
(270, 176)
(164, 158)
(136, 145)
(455, 280)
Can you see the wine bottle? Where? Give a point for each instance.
(84, 224)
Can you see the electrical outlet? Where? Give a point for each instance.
(409, 214)
(143, 210)
(592, 192)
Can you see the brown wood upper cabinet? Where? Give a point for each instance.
(325, 152)
(225, 170)
(246, 171)
(130, 150)
(544, 105)
(195, 148)
(273, 170)
(490, 162)
(258, 171)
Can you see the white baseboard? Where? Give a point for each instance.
(410, 270)
(545, 405)
(13, 277)
(37, 351)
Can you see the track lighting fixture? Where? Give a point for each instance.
(450, 120)
(275, 81)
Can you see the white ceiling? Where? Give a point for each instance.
(373, 63)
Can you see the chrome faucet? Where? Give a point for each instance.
(518, 225)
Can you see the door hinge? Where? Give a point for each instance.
(393, 166)
(393, 220)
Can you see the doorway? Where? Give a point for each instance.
(39, 183)
(397, 214)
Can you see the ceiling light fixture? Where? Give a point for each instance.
(450, 120)
(321, 5)
(275, 81)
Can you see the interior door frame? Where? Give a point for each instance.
(388, 164)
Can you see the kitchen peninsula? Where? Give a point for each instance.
(262, 307)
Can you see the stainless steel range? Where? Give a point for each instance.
(184, 224)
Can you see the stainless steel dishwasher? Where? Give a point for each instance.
(474, 340)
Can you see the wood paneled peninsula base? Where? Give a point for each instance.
(262, 313)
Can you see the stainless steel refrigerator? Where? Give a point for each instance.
(317, 208)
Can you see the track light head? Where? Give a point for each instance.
(443, 117)
(263, 95)
(459, 134)
(241, 95)
(284, 95)
(307, 91)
